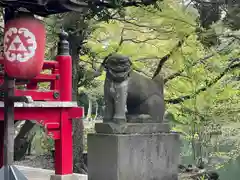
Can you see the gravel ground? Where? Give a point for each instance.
(42, 161)
(46, 161)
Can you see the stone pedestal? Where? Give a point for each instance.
(138, 156)
(63, 177)
(68, 177)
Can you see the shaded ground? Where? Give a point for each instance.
(46, 161)
(42, 174)
(41, 161)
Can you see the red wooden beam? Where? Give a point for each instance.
(34, 114)
(76, 111)
(46, 65)
(1, 60)
(50, 65)
(42, 114)
(38, 95)
(1, 142)
(63, 146)
(46, 77)
(40, 78)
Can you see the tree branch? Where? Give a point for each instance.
(232, 36)
(121, 40)
(200, 61)
(138, 70)
(209, 2)
(145, 40)
(137, 41)
(169, 17)
(145, 31)
(152, 28)
(148, 58)
(167, 56)
(124, 4)
(181, 99)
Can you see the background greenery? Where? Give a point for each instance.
(194, 45)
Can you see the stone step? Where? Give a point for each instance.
(44, 174)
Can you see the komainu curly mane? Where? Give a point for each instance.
(118, 67)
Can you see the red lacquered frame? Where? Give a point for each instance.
(56, 120)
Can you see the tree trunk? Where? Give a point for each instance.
(89, 114)
(78, 163)
(23, 140)
(96, 112)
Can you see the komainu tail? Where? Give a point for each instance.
(159, 82)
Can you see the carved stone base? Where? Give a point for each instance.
(133, 156)
(131, 128)
(64, 177)
(140, 118)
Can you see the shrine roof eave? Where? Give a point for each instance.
(39, 10)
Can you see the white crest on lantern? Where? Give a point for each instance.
(22, 52)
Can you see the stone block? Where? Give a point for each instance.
(133, 156)
(63, 177)
(131, 128)
(67, 177)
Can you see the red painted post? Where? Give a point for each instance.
(55, 83)
(32, 86)
(1, 142)
(65, 71)
(63, 146)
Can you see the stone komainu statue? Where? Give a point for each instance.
(123, 86)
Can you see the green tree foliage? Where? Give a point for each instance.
(201, 82)
(194, 45)
(212, 11)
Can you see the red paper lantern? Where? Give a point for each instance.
(24, 46)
